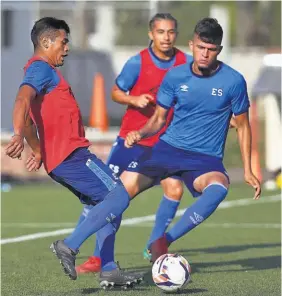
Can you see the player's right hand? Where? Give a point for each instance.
(252, 180)
(34, 162)
(132, 138)
(15, 147)
(143, 101)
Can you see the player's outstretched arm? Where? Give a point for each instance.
(123, 98)
(20, 114)
(153, 125)
(244, 137)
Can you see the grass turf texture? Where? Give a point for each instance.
(238, 258)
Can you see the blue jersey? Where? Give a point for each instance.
(203, 107)
(130, 72)
(41, 77)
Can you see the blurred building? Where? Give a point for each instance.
(105, 34)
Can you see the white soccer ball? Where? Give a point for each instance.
(171, 272)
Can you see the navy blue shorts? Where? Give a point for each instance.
(86, 176)
(122, 158)
(165, 160)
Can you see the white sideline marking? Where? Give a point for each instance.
(145, 224)
(244, 225)
(224, 225)
(37, 225)
(138, 220)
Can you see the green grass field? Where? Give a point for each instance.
(235, 252)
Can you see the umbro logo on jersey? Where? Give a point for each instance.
(184, 87)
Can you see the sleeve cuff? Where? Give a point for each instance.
(29, 84)
(242, 111)
(121, 88)
(163, 106)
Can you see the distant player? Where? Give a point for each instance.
(62, 145)
(205, 93)
(136, 86)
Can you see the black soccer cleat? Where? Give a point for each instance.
(118, 278)
(67, 258)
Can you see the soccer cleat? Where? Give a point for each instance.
(67, 258)
(93, 264)
(158, 248)
(147, 254)
(118, 278)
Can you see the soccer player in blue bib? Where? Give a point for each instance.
(205, 93)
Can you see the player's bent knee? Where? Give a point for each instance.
(205, 180)
(135, 183)
(129, 181)
(173, 189)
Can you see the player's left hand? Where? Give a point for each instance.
(15, 147)
(132, 138)
(252, 180)
(232, 123)
(34, 162)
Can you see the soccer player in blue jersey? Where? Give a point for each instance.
(136, 86)
(205, 93)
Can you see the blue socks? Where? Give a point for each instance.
(199, 211)
(114, 204)
(84, 213)
(105, 240)
(164, 216)
(106, 244)
(97, 250)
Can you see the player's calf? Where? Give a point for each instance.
(66, 256)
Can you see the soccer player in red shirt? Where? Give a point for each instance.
(45, 104)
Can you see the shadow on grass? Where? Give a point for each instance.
(89, 291)
(211, 250)
(248, 264)
(229, 249)
(187, 291)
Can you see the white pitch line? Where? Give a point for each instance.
(223, 225)
(244, 225)
(37, 225)
(138, 220)
(145, 224)
(241, 202)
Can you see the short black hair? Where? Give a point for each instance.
(48, 26)
(209, 30)
(162, 16)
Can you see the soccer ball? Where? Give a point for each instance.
(171, 272)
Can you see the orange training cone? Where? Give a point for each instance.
(255, 160)
(98, 112)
